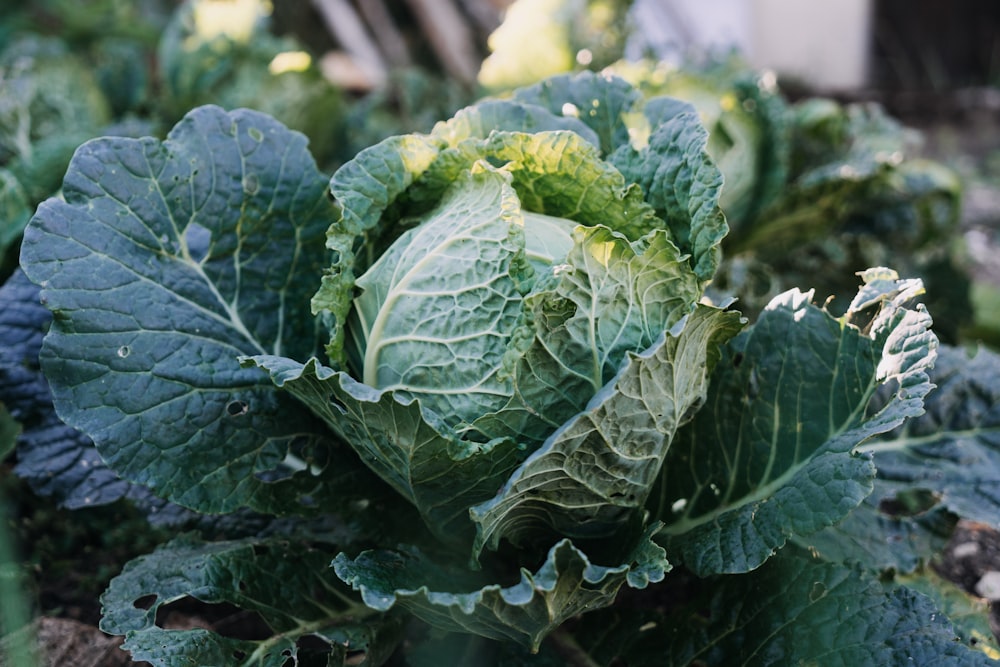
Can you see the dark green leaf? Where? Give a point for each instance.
(288, 585)
(969, 614)
(164, 263)
(567, 584)
(792, 611)
(954, 449)
(773, 452)
(55, 459)
(881, 540)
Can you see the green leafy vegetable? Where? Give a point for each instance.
(489, 366)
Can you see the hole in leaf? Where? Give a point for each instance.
(226, 619)
(313, 644)
(239, 655)
(237, 408)
(255, 134)
(124, 351)
(145, 602)
(908, 503)
(737, 360)
(338, 404)
(356, 657)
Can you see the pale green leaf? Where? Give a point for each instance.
(593, 475)
(436, 311)
(606, 298)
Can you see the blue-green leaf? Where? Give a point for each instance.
(164, 263)
(792, 611)
(953, 450)
(566, 584)
(412, 449)
(288, 585)
(774, 451)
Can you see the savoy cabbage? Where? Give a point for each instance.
(489, 359)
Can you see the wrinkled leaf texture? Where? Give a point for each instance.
(774, 451)
(163, 263)
(791, 611)
(287, 585)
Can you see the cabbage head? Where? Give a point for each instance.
(508, 281)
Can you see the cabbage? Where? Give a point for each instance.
(487, 361)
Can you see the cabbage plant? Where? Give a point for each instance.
(475, 379)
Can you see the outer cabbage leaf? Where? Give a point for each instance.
(792, 611)
(599, 101)
(969, 613)
(680, 181)
(565, 585)
(953, 450)
(774, 451)
(593, 475)
(288, 585)
(55, 459)
(882, 540)
(164, 263)
(412, 449)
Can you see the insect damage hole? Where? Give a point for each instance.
(237, 408)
